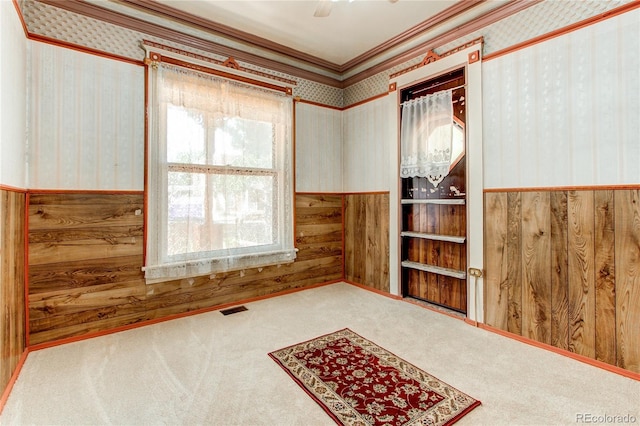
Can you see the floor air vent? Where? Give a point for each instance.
(233, 310)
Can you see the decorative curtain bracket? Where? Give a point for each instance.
(231, 63)
(430, 57)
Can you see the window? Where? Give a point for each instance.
(220, 175)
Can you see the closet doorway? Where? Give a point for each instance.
(434, 210)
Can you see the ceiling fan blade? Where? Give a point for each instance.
(323, 9)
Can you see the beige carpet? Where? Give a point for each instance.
(214, 369)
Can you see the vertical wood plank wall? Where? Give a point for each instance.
(12, 276)
(367, 239)
(85, 259)
(563, 268)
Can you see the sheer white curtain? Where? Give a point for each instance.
(219, 175)
(426, 133)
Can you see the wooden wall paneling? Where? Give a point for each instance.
(605, 279)
(457, 226)
(85, 227)
(463, 259)
(12, 280)
(76, 297)
(425, 246)
(627, 275)
(368, 216)
(536, 265)
(318, 226)
(577, 254)
(514, 260)
(381, 264)
(349, 229)
(496, 296)
(372, 251)
(432, 251)
(559, 271)
(85, 260)
(450, 258)
(582, 328)
(360, 238)
(62, 277)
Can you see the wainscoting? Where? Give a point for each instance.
(367, 239)
(12, 262)
(86, 254)
(563, 268)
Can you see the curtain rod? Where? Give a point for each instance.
(440, 91)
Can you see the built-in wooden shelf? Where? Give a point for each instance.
(449, 201)
(435, 237)
(454, 273)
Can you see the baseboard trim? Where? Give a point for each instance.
(374, 290)
(584, 359)
(12, 380)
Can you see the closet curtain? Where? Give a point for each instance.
(426, 133)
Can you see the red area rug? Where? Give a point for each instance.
(359, 383)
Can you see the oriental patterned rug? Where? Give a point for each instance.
(359, 383)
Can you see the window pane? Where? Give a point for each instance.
(185, 136)
(244, 143)
(234, 211)
(186, 212)
(242, 209)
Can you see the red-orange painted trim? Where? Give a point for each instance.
(293, 178)
(318, 104)
(83, 49)
(337, 194)
(224, 74)
(12, 380)
(374, 290)
(26, 269)
(364, 101)
(229, 63)
(145, 196)
(433, 57)
(344, 238)
(366, 193)
(12, 189)
(26, 34)
(474, 57)
(85, 191)
(393, 87)
(174, 316)
(561, 31)
(563, 188)
(407, 300)
(564, 352)
(438, 311)
(344, 108)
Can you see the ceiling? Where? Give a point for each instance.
(357, 34)
(351, 29)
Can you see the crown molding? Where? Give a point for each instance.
(447, 37)
(95, 11)
(168, 12)
(422, 27)
(116, 18)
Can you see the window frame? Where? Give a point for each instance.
(158, 264)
